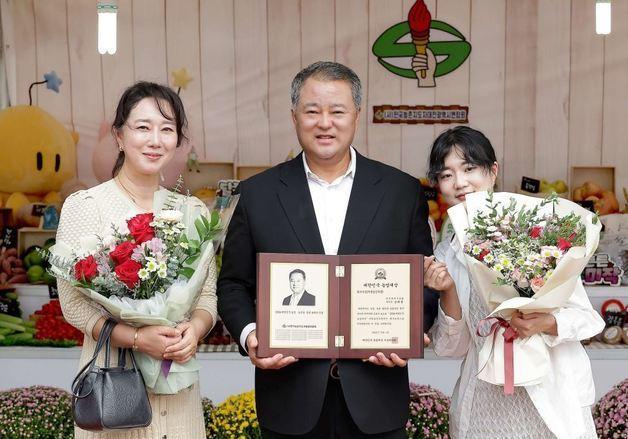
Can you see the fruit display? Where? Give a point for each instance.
(36, 266)
(218, 335)
(46, 327)
(205, 194)
(558, 186)
(436, 203)
(11, 268)
(51, 325)
(604, 201)
(14, 330)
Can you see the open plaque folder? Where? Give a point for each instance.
(327, 306)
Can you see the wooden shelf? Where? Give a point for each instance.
(208, 176)
(244, 172)
(29, 236)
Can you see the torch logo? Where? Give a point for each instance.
(422, 59)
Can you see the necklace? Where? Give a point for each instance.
(127, 191)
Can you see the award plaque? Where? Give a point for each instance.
(327, 306)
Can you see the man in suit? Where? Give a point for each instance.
(299, 296)
(327, 200)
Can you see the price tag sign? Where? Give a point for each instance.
(227, 187)
(430, 193)
(38, 209)
(587, 204)
(53, 292)
(530, 185)
(8, 238)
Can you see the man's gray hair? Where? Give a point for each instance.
(326, 71)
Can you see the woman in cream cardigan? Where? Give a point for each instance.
(148, 127)
(462, 161)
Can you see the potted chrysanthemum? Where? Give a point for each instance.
(36, 412)
(429, 413)
(235, 418)
(611, 413)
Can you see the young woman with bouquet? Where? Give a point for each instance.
(149, 127)
(462, 161)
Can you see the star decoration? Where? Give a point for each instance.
(181, 78)
(52, 81)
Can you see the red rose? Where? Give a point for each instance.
(483, 255)
(122, 252)
(127, 273)
(535, 232)
(140, 227)
(563, 244)
(86, 269)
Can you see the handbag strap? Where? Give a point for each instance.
(122, 353)
(103, 339)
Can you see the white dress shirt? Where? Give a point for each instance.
(330, 202)
(563, 396)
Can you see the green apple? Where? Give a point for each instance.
(35, 273)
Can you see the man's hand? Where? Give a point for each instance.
(275, 362)
(380, 359)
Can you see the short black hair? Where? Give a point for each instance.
(161, 93)
(298, 270)
(474, 146)
(327, 71)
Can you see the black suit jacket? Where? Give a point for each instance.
(387, 213)
(306, 299)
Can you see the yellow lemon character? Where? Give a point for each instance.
(37, 153)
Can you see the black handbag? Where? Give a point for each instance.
(110, 398)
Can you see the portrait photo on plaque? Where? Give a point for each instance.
(299, 297)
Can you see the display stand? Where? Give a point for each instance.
(225, 372)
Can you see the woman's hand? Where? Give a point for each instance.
(533, 323)
(184, 350)
(436, 276)
(154, 340)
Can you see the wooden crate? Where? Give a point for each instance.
(28, 236)
(244, 172)
(209, 176)
(603, 176)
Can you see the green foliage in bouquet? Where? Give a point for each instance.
(429, 413)
(611, 413)
(207, 230)
(234, 418)
(36, 412)
(521, 244)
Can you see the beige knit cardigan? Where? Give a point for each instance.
(90, 212)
